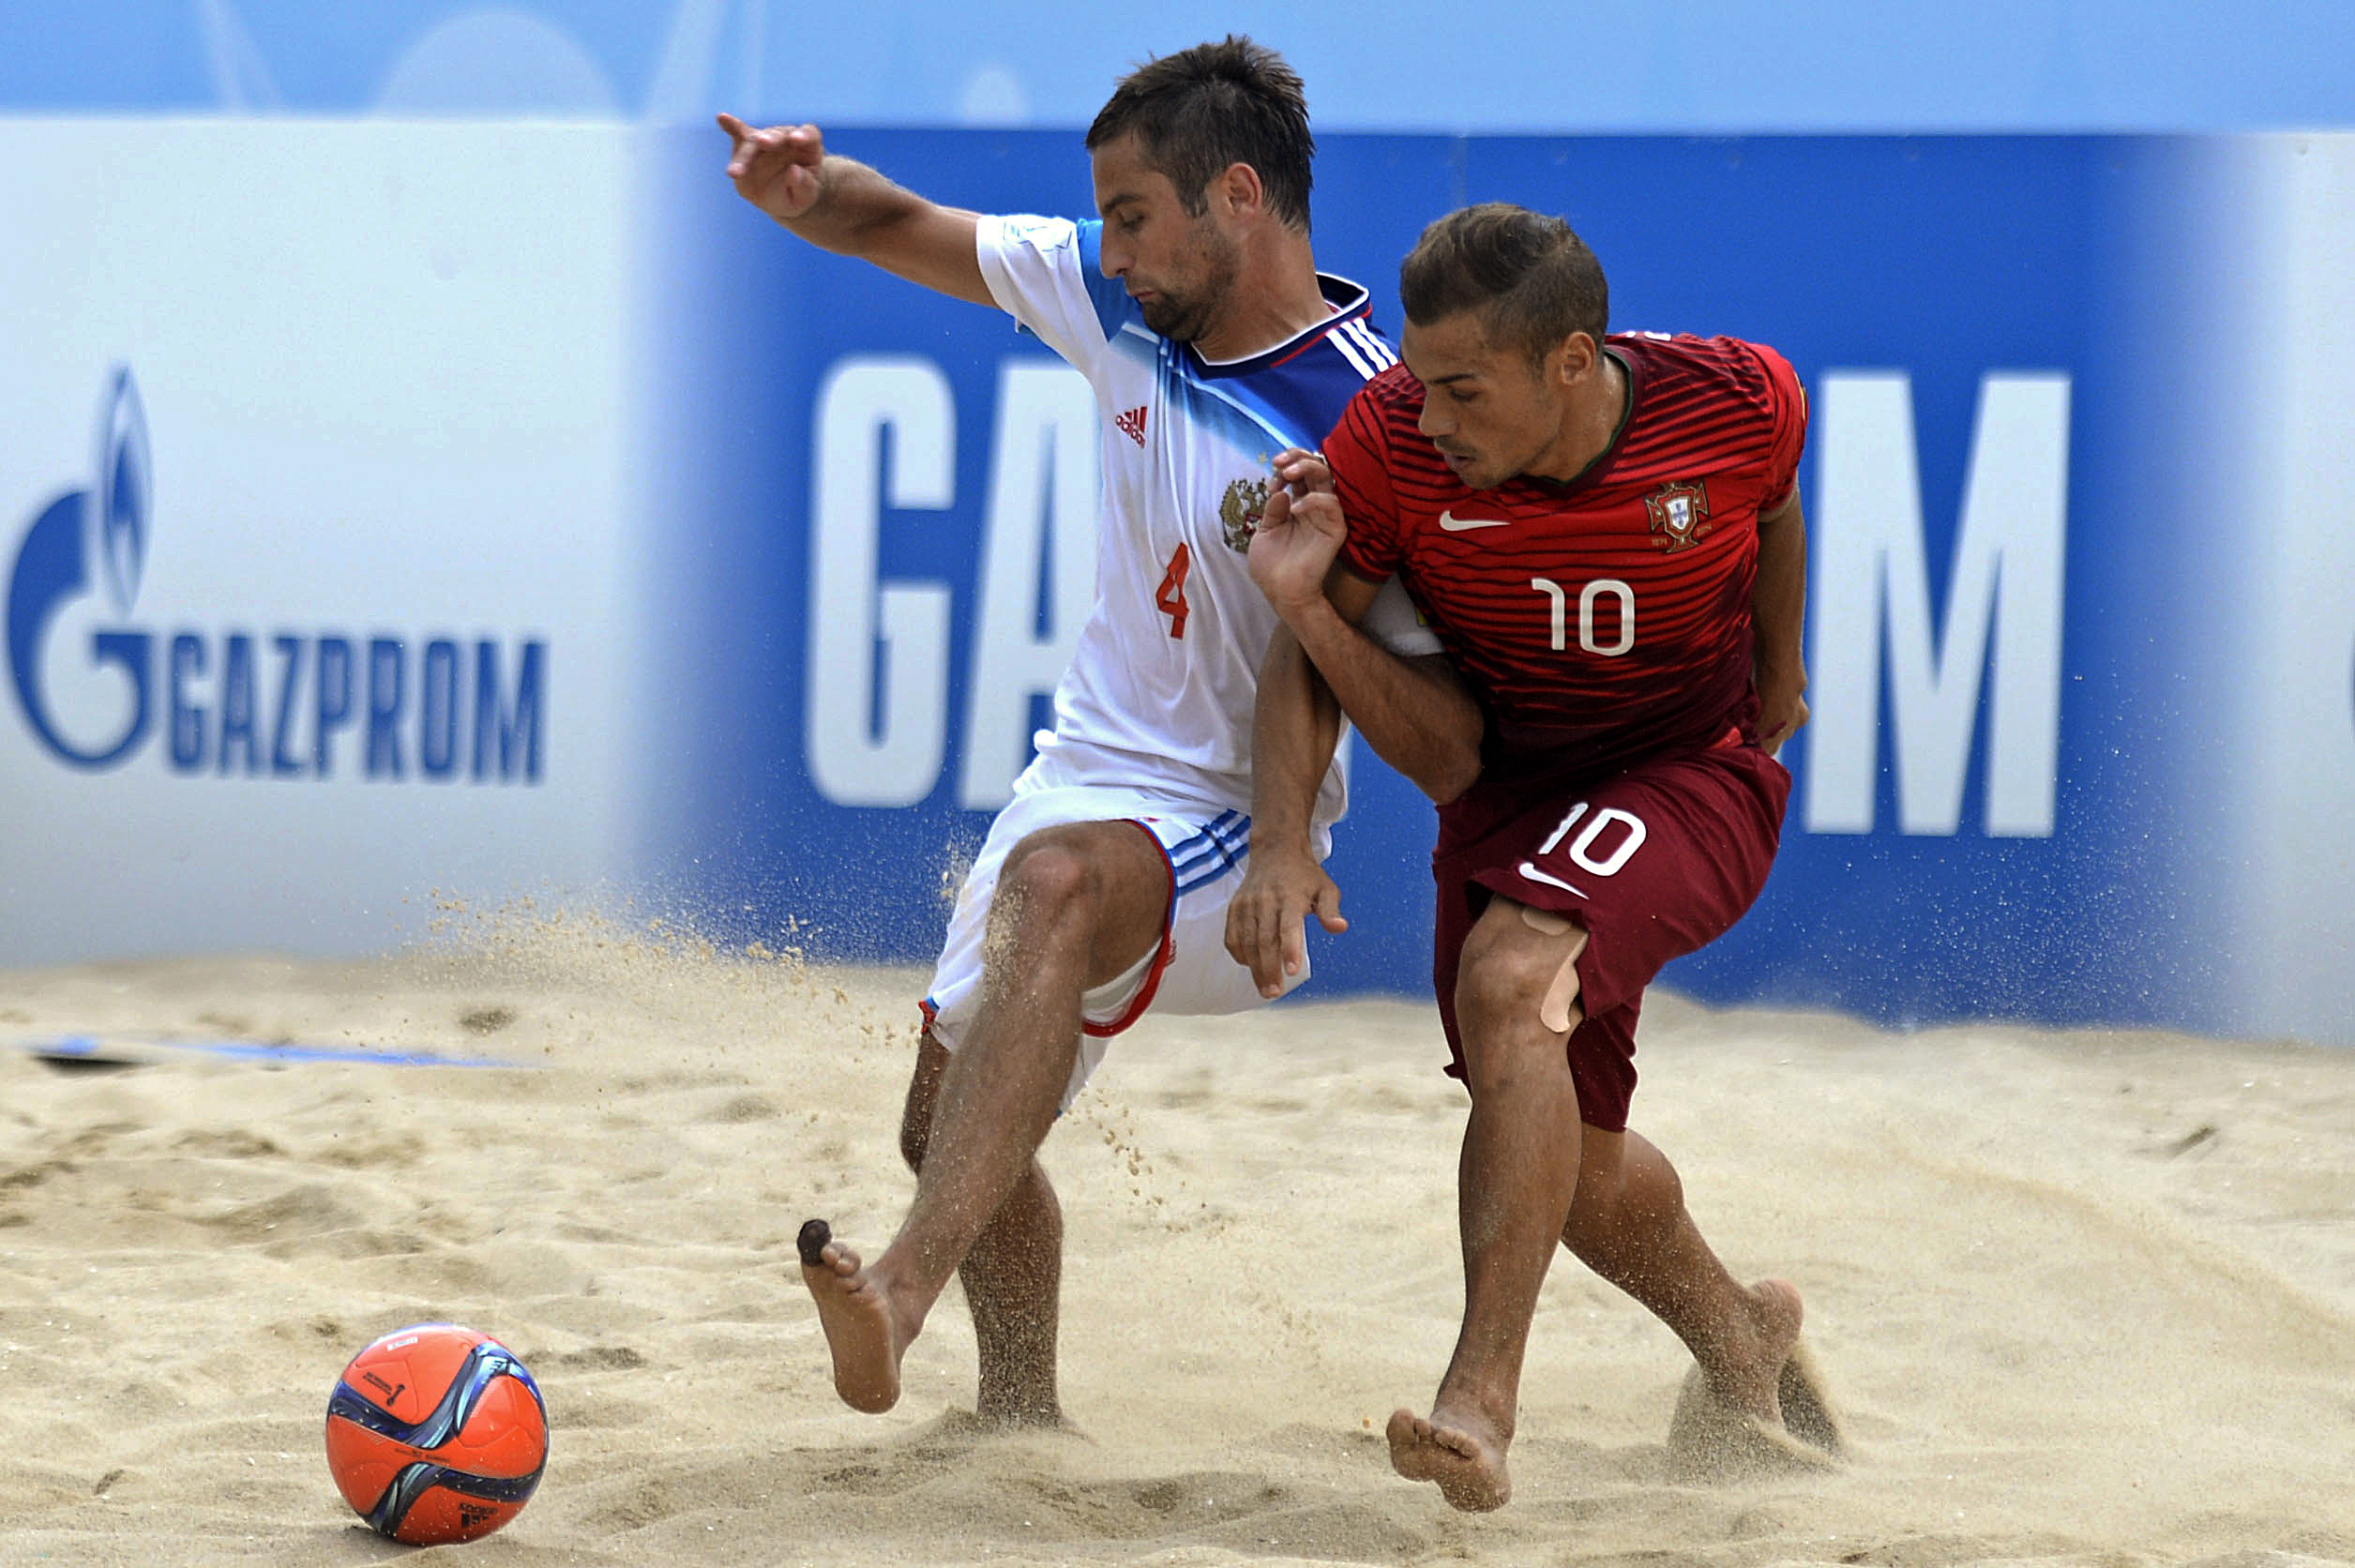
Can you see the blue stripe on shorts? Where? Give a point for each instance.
(1212, 852)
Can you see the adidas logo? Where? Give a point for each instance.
(1132, 425)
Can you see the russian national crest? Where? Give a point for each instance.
(1679, 514)
(1239, 512)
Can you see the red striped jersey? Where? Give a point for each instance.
(1603, 620)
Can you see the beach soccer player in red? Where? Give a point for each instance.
(1604, 533)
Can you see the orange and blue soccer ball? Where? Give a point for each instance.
(436, 1433)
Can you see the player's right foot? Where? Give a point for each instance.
(1467, 1467)
(861, 1331)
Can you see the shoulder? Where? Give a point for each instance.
(1031, 262)
(1386, 405)
(1721, 384)
(1395, 387)
(1039, 235)
(1389, 403)
(1703, 367)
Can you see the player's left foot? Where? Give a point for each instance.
(1748, 1375)
(1462, 1456)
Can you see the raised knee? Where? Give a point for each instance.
(1499, 984)
(1519, 967)
(1042, 878)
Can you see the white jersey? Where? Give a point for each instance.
(1167, 668)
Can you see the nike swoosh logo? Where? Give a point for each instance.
(1534, 874)
(1455, 524)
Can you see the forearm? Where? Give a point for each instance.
(859, 210)
(1414, 712)
(1295, 727)
(1778, 601)
(1779, 606)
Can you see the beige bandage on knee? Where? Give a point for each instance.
(1554, 1011)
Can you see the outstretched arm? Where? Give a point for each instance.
(1778, 611)
(840, 204)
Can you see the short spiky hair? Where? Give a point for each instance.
(1202, 108)
(1530, 277)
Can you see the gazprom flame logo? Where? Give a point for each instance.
(238, 703)
(105, 525)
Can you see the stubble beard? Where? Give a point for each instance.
(1184, 315)
(1180, 320)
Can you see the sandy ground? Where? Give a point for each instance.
(2084, 1298)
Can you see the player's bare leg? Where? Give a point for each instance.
(1013, 1276)
(1630, 1225)
(1075, 906)
(1515, 1181)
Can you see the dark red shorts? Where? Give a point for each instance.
(1653, 864)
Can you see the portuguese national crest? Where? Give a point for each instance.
(1239, 512)
(1679, 514)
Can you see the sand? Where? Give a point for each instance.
(2083, 1298)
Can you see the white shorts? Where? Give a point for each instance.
(1205, 847)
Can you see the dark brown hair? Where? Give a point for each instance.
(1197, 111)
(1530, 277)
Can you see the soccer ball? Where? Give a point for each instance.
(436, 1433)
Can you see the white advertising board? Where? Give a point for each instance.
(312, 500)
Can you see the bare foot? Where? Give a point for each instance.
(1468, 1465)
(860, 1328)
(1757, 1409)
(1747, 1378)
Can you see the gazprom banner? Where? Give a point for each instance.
(2082, 616)
(313, 447)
